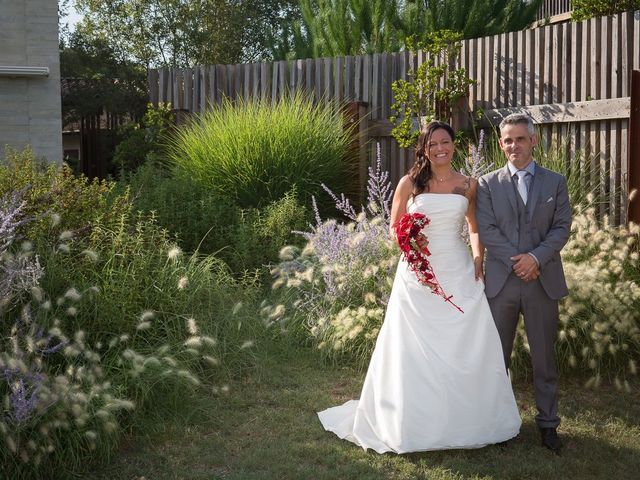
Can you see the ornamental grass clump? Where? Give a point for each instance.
(254, 152)
(599, 330)
(74, 375)
(600, 319)
(336, 288)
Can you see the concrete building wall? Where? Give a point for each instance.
(30, 110)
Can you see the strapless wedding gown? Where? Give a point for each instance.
(437, 378)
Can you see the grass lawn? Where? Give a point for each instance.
(266, 428)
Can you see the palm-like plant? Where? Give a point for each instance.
(356, 27)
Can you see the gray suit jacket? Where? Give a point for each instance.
(498, 227)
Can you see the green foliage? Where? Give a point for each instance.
(144, 142)
(356, 27)
(472, 18)
(56, 198)
(96, 79)
(185, 33)
(142, 327)
(586, 9)
(255, 152)
(432, 89)
(344, 27)
(204, 221)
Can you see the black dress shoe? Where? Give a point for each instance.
(551, 440)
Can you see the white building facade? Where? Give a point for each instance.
(30, 108)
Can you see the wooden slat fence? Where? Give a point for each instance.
(557, 66)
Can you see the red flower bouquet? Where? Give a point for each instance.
(408, 229)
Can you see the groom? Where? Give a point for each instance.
(524, 218)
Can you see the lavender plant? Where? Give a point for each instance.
(18, 272)
(335, 289)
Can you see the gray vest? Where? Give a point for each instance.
(525, 242)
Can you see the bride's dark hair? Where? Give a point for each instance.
(420, 173)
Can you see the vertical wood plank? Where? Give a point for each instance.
(375, 87)
(327, 81)
(211, 92)
(246, 81)
(301, 75)
(309, 76)
(538, 66)
(294, 79)
(624, 172)
(163, 81)
(283, 78)
(585, 61)
(349, 78)
(276, 81)
(520, 69)
(265, 80)
(502, 71)
(624, 56)
(237, 81)
(221, 83)
(187, 92)
(473, 73)
(318, 76)
(481, 74)
(605, 56)
(615, 71)
(229, 72)
(595, 58)
(489, 69)
(575, 38)
(195, 94)
(548, 65)
(338, 79)
(255, 81)
(513, 68)
(357, 83)
(566, 62)
(530, 73)
(614, 171)
(204, 88)
(153, 85)
(557, 64)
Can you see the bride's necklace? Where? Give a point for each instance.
(442, 179)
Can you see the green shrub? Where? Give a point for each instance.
(204, 221)
(586, 9)
(253, 153)
(56, 198)
(144, 142)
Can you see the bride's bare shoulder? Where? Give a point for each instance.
(405, 185)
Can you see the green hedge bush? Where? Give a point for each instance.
(255, 152)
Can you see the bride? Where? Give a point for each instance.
(437, 378)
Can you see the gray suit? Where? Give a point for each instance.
(508, 227)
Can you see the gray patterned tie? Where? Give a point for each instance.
(522, 185)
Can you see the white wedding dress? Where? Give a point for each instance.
(437, 378)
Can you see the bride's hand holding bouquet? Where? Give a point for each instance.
(415, 250)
